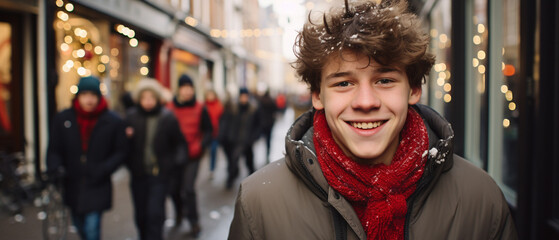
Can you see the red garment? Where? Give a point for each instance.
(87, 120)
(215, 109)
(189, 118)
(377, 193)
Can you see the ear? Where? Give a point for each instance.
(316, 101)
(415, 95)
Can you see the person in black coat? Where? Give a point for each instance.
(157, 146)
(267, 113)
(87, 144)
(239, 128)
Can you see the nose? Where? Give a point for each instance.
(365, 98)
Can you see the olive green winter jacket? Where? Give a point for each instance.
(291, 199)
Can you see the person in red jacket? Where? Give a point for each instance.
(215, 110)
(196, 127)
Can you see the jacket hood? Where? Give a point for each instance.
(302, 161)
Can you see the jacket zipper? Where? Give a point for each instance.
(418, 190)
(338, 223)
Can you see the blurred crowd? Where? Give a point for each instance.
(161, 141)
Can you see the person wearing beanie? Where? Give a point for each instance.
(239, 129)
(368, 161)
(196, 127)
(156, 147)
(87, 143)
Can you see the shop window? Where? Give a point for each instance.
(11, 138)
(504, 87)
(129, 62)
(476, 83)
(440, 84)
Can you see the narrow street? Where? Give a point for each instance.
(216, 204)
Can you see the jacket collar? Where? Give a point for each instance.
(302, 161)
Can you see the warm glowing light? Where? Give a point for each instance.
(481, 69)
(442, 75)
(68, 39)
(88, 47)
(103, 87)
(133, 42)
(481, 54)
(80, 53)
(447, 87)
(77, 64)
(114, 52)
(66, 68)
(191, 21)
(439, 94)
(98, 50)
(509, 70)
(257, 33)
(512, 106)
(477, 40)
(480, 28)
(502, 66)
(508, 95)
(506, 123)
(74, 89)
(434, 33)
(101, 68)
(443, 38)
(144, 71)
(447, 98)
(69, 7)
(82, 71)
(440, 81)
(504, 88)
(144, 59)
(67, 26)
(475, 62)
(70, 63)
(119, 28)
(59, 3)
(62, 16)
(64, 47)
(447, 74)
(216, 33)
(105, 59)
(503, 50)
(75, 54)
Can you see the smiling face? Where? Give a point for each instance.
(366, 106)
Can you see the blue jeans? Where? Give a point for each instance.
(213, 153)
(88, 225)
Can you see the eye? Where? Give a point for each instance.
(342, 84)
(385, 81)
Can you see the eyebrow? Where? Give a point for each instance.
(383, 69)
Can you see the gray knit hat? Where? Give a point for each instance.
(147, 84)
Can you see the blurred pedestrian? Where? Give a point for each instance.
(196, 127)
(215, 110)
(87, 144)
(267, 114)
(368, 162)
(156, 147)
(239, 129)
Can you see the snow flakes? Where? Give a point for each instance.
(433, 152)
(354, 36)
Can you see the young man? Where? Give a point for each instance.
(368, 163)
(156, 147)
(196, 127)
(87, 144)
(239, 129)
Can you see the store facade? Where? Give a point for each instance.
(496, 80)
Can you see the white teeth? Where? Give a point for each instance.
(366, 125)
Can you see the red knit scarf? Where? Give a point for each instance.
(87, 120)
(377, 193)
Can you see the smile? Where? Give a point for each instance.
(366, 125)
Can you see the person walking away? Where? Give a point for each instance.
(196, 127)
(369, 162)
(267, 113)
(87, 143)
(239, 127)
(156, 147)
(215, 110)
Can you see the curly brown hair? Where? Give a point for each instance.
(387, 33)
